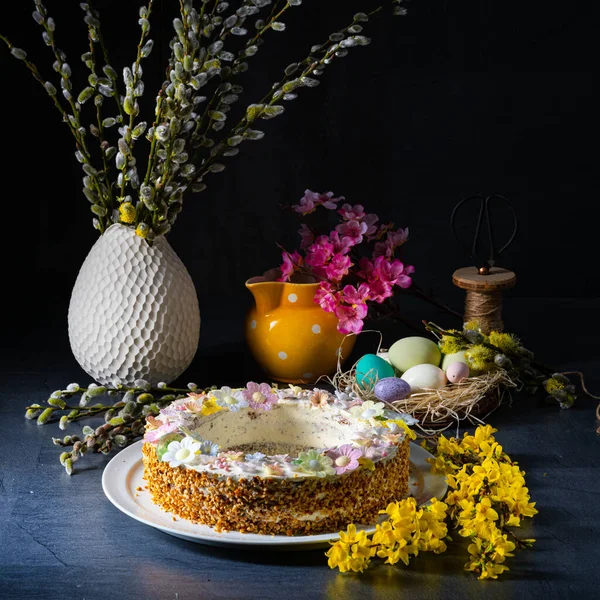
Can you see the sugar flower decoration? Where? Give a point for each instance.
(318, 398)
(345, 458)
(313, 463)
(408, 419)
(368, 410)
(259, 397)
(230, 399)
(255, 457)
(181, 453)
(208, 447)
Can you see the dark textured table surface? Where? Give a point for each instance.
(61, 538)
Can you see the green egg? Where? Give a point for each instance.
(411, 351)
(164, 442)
(371, 368)
(448, 359)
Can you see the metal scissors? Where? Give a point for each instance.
(484, 215)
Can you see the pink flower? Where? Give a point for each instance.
(380, 290)
(392, 272)
(370, 220)
(307, 203)
(325, 298)
(352, 213)
(311, 200)
(291, 262)
(341, 245)
(366, 268)
(259, 397)
(398, 237)
(345, 458)
(154, 435)
(307, 236)
(350, 318)
(328, 201)
(338, 267)
(354, 230)
(353, 295)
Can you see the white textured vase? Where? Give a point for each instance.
(134, 311)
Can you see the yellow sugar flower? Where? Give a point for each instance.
(409, 432)
(210, 407)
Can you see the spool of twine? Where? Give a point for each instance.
(483, 301)
(486, 308)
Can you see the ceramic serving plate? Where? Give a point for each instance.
(123, 484)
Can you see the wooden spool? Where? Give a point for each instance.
(483, 301)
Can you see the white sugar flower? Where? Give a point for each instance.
(400, 416)
(181, 453)
(368, 410)
(230, 399)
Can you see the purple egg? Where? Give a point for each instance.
(457, 372)
(390, 389)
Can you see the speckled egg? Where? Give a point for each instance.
(424, 376)
(457, 372)
(448, 359)
(371, 368)
(411, 351)
(391, 389)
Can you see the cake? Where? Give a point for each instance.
(270, 461)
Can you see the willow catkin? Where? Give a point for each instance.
(486, 309)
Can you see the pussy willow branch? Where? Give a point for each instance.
(270, 98)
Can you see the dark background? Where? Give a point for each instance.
(454, 99)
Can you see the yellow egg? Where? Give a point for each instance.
(415, 350)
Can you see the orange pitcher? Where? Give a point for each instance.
(293, 339)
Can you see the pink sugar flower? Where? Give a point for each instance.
(259, 397)
(353, 229)
(353, 295)
(153, 435)
(345, 458)
(338, 267)
(351, 318)
(325, 298)
(352, 213)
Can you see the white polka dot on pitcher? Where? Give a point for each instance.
(316, 329)
(253, 324)
(307, 375)
(282, 355)
(292, 297)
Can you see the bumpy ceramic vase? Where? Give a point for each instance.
(293, 339)
(134, 311)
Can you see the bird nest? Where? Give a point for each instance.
(472, 400)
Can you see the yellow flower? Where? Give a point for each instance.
(550, 385)
(209, 407)
(339, 557)
(484, 510)
(480, 358)
(127, 212)
(142, 230)
(450, 344)
(492, 570)
(505, 341)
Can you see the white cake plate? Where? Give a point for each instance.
(123, 475)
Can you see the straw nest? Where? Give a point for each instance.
(472, 400)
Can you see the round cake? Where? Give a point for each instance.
(270, 461)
